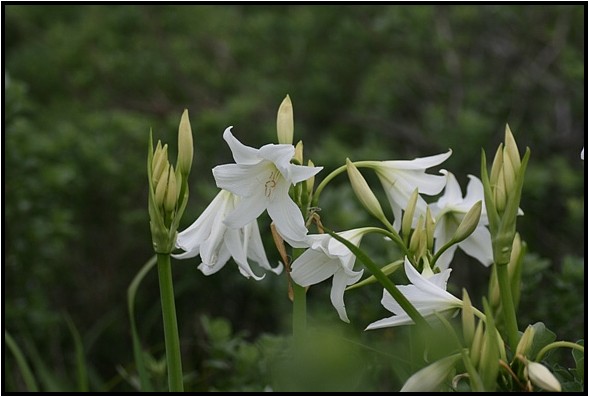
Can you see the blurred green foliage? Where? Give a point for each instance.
(84, 84)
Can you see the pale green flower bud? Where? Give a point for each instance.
(430, 226)
(159, 162)
(311, 181)
(160, 189)
(500, 193)
(477, 344)
(525, 341)
(468, 320)
(408, 215)
(285, 122)
(298, 156)
(469, 222)
(430, 378)
(541, 377)
(171, 192)
(509, 175)
(497, 165)
(511, 149)
(418, 241)
(185, 145)
(363, 192)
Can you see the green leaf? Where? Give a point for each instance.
(137, 349)
(24, 368)
(81, 370)
(542, 337)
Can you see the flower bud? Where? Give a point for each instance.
(467, 318)
(497, 165)
(311, 181)
(469, 222)
(363, 192)
(477, 344)
(171, 192)
(418, 242)
(525, 341)
(500, 193)
(408, 214)
(430, 378)
(159, 162)
(285, 122)
(541, 377)
(298, 156)
(160, 190)
(185, 145)
(511, 150)
(430, 226)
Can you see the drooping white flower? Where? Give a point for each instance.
(210, 238)
(427, 292)
(430, 378)
(328, 257)
(399, 179)
(262, 178)
(450, 210)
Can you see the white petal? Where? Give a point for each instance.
(443, 262)
(235, 246)
(188, 254)
(474, 191)
(246, 210)
(255, 248)
(452, 193)
(313, 267)
(402, 319)
(209, 250)
(479, 246)
(287, 216)
(280, 155)
(242, 180)
(419, 162)
(241, 154)
(209, 268)
(298, 173)
(427, 184)
(339, 283)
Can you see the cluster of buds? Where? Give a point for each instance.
(168, 187)
(502, 194)
(514, 269)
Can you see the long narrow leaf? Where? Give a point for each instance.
(25, 370)
(137, 349)
(81, 370)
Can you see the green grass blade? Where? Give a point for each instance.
(137, 349)
(81, 370)
(25, 370)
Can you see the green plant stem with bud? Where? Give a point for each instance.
(172, 341)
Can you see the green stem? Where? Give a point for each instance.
(554, 345)
(508, 308)
(172, 341)
(299, 306)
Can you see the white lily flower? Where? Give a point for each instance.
(450, 210)
(210, 238)
(262, 178)
(328, 257)
(399, 179)
(427, 292)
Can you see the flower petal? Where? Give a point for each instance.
(209, 268)
(298, 173)
(287, 216)
(452, 192)
(242, 154)
(280, 155)
(401, 319)
(479, 246)
(246, 211)
(255, 248)
(242, 180)
(419, 162)
(313, 267)
(339, 283)
(234, 244)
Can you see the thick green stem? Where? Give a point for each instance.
(555, 345)
(172, 341)
(508, 309)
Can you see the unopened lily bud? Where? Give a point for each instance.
(430, 226)
(311, 181)
(298, 156)
(418, 241)
(430, 378)
(160, 189)
(497, 165)
(469, 222)
(500, 193)
(525, 341)
(477, 344)
(408, 215)
(171, 192)
(185, 145)
(511, 149)
(541, 377)
(159, 162)
(285, 122)
(363, 192)
(509, 175)
(467, 318)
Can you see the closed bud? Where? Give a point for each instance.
(430, 226)
(418, 239)
(500, 193)
(363, 192)
(185, 145)
(525, 342)
(467, 318)
(511, 149)
(497, 165)
(160, 190)
(159, 162)
(407, 221)
(509, 175)
(477, 344)
(298, 156)
(311, 181)
(541, 377)
(285, 122)
(171, 192)
(469, 222)
(430, 378)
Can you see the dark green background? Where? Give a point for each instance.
(83, 85)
